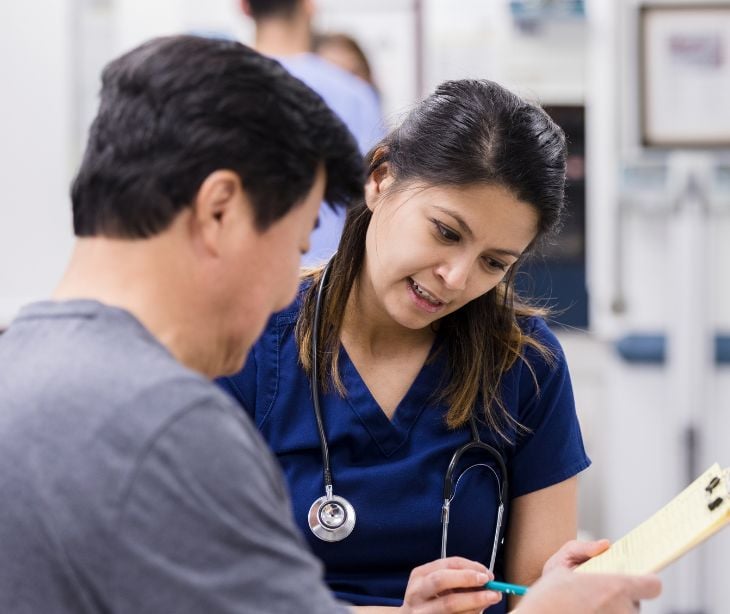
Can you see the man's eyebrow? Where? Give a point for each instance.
(467, 231)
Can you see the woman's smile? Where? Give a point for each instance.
(422, 298)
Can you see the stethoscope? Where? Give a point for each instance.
(332, 518)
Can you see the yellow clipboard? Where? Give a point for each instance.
(695, 514)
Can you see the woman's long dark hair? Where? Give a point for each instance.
(468, 132)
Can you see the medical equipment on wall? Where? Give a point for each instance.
(332, 518)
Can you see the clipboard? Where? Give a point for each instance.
(694, 515)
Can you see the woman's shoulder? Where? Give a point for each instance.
(546, 347)
(283, 321)
(291, 313)
(536, 326)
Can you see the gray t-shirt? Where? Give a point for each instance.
(129, 483)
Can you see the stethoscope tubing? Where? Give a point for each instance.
(316, 329)
(327, 531)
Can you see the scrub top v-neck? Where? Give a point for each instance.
(392, 470)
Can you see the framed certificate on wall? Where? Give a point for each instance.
(684, 87)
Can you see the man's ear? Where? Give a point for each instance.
(377, 184)
(246, 8)
(216, 207)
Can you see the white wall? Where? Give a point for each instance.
(35, 166)
(480, 40)
(52, 55)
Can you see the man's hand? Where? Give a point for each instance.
(565, 592)
(573, 553)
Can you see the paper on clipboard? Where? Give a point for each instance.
(695, 514)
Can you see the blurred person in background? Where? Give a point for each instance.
(284, 32)
(343, 50)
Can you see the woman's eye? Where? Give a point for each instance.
(495, 265)
(446, 232)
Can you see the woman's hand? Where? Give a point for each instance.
(438, 587)
(565, 592)
(573, 553)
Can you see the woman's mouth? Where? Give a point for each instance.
(423, 298)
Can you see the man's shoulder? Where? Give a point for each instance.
(99, 380)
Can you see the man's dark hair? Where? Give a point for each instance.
(261, 9)
(176, 109)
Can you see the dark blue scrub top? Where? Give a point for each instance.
(393, 471)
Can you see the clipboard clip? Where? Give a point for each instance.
(712, 505)
(713, 484)
(715, 503)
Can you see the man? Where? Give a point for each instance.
(119, 493)
(284, 31)
(129, 483)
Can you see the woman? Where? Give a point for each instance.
(421, 347)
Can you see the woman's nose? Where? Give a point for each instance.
(454, 273)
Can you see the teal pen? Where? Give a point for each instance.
(506, 587)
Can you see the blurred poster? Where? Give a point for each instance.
(685, 69)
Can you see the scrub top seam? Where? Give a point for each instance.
(275, 394)
(404, 435)
(240, 398)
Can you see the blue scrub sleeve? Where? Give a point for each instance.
(553, 451)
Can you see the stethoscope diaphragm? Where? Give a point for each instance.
(331, 518)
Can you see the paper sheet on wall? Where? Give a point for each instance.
(695, 514)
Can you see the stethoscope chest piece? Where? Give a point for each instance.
(331, 518)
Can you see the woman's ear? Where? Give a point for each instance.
(379, 180)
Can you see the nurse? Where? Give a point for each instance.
(423, 347)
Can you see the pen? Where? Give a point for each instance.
(506, 587)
